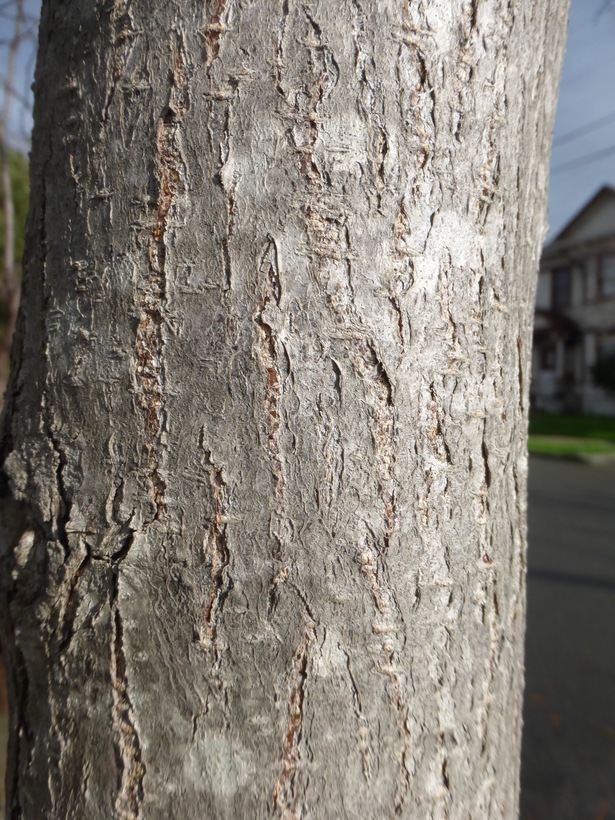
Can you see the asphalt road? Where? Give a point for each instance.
(568, 760)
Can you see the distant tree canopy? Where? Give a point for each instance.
(20, 184)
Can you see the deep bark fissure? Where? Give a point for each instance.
(388, 626)
(520, 361)
(331, 248)
(171, 172)
(285, 798)
(121, 25)
(363, 726)
(279, 48)
(130, 793)
(68, 607)
(218, 553)
(212, 30)
(63, 516)
(267, 353)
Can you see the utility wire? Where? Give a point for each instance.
(584, 129)
(576, 163)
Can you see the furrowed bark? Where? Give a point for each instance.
(264, 444)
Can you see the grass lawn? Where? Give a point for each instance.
(568, 435)
(568, 446)
(568, 426)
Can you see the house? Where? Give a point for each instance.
(575, 311)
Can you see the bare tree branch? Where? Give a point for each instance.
(22, 98)
(607, 5)
(10, 280)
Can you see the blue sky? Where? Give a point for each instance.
(584, 127)
(20, 123)
(586, 104)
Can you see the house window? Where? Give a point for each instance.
(547, 356)
(607, 345)
(607, 276)
(561, 288)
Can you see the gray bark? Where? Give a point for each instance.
(264, 446)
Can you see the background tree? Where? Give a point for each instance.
(14, 187)
(13, 173)
(264, 441)
(19, 187)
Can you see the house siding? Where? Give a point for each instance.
(569, 338)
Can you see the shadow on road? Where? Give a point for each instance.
(568, 758)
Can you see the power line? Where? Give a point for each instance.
(576, 163)
(584, 129)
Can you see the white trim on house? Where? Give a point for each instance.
(575, 311)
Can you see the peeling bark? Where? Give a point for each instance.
(264, 465)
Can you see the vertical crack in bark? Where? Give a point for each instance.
(68, 592)
(63, 515)
(403, 269)
(212, 29)
(218, 552)
(488, 600)
(16, 571)
(224, 178)
(149, 337)
(49, 421)
(436, 434)
(230, 217)
(489, 172)
(382, 149)
(269, 280)
(285, 798)
(520, 362)
(332, 485)
(130, 794)
(274, 364)
(485, 455)
(121, 25)
(364, 748)
(495, 644)
(379, 394)
(387, 627)
(329, 244)
(416, 93)
(279, 49)
(483, 501)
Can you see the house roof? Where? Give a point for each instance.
(594, 221)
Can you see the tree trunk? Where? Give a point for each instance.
(264, 445)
